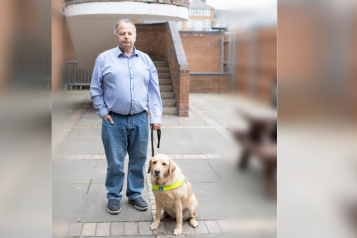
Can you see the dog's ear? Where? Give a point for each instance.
(149, 169)
(172, 167)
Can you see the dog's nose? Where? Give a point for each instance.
(157, 171)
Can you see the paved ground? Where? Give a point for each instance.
(229, 199)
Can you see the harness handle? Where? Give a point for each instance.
(152, 139)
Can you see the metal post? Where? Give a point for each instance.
(229, 54)
(75, 71)
(222, 54)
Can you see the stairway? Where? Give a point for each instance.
(166, 90)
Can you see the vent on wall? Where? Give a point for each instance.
(175, 76)
(169, 53)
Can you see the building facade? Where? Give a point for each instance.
(200, 17)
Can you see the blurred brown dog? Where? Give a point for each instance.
(172, 193)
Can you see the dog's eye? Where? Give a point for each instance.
(154, 162)
(163, 164)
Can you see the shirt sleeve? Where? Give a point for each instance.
(96, 91)
(155, 103)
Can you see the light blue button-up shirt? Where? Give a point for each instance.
(121, 84)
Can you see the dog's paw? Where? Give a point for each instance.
(194, 223)
(154, 226)
(177, 231)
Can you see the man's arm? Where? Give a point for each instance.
(155, 103)
(96, 91)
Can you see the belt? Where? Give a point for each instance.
(123, 114)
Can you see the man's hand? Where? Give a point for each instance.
(156, 126)
(108, 117)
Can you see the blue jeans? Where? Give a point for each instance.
(127, 134)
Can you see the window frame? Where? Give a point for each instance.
(197, 9)
(189, 20)
(207, 10)
(190, 11)
(204, 24)
(198, 20)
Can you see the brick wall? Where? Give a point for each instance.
(203, 51)
(69, 54)
(155, 40)
(257, 79)
(210, 83)
(57, 43)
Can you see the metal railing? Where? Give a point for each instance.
(74, 76)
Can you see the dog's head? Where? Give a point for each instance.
(161, 166)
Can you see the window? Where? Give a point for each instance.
(198, 25)
(198, 11)
(207, 24)
(190, 12)
(207, 12)
(179, 24)
(189, 24)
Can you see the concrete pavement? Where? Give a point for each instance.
(229, 199)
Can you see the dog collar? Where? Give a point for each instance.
(179, 182)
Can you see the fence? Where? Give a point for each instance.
(74, 76)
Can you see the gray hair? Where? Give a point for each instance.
(121, 21)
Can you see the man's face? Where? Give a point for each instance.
(125, 35)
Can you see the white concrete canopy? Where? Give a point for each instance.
(91, 25)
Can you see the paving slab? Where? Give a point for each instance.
(89, 119)
(85, 134)
(125, 237)
(74, 229)
(95, 208)
(192, 122)
(216, 235)
(176, 141)
(76, 171)
(220, 114)
(68, 201)
(144, 228)
(206, 106)
(198, 170)
(246, 187)
(100, 171)
(169, 122)
(213, 201)
(82, 147)
(117, 228)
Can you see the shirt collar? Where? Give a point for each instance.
(119, 52)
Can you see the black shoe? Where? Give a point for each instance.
(139, 203)
(113, 206)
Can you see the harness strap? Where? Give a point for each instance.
(152, 139)
(179, 182)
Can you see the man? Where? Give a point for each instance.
(122, 79)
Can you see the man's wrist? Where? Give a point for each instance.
(102, 112)
(156, 120)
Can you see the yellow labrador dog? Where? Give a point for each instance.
(173, 194)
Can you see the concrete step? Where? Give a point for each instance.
(163, 69)
(167, 95)
(164, 75)
(165, 82)
(165, 88)
(169, 110)
(160, 63)
(168, 102)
